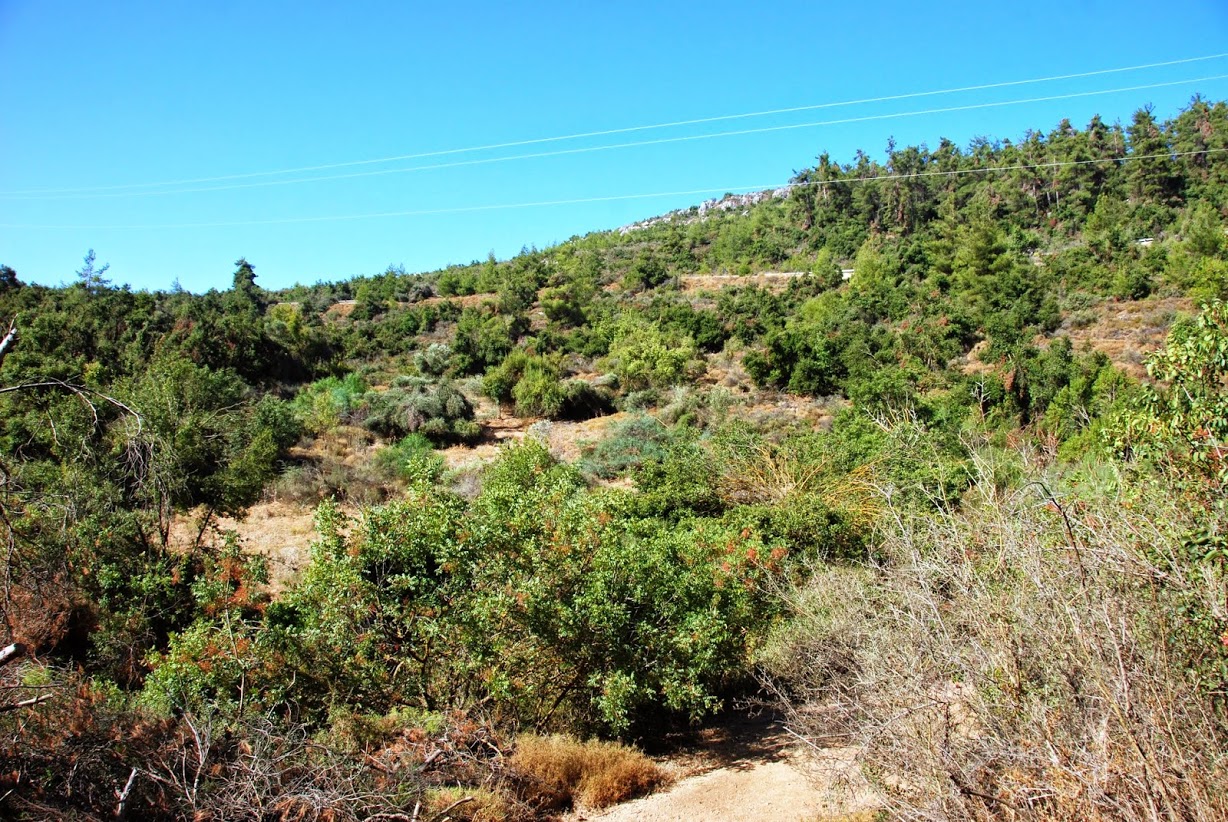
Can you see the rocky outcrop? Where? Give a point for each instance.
(729, 202)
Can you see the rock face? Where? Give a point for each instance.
(735, 201)
(729, 202)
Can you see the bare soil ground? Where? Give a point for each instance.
(751, 768)
(344, 308)
(496, 431)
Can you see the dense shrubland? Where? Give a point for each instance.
(993, 560)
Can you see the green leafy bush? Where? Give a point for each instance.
(550, 602)
(535, 385)
(437, 410)
(411, 459)
(643, 356)
(1181, 423)
(326, 403)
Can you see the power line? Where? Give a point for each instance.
(616, 146)
(616, 197)
(614, 131)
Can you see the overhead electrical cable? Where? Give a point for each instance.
(614, 131)
(619, 197)
(633, 144)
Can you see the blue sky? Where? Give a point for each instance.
(98, 97)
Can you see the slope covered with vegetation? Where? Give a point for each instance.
(863, 456)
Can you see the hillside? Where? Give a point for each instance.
(924, 453)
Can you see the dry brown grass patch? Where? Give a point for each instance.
(466, 805)
(1126, 331)
(770, 280)
(594, 774)
(279, 531)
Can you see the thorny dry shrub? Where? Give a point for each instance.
(37, 612)
(65, 758)
(390, 770)
(594, 774)
(1025, 658)
(37, 598)
(72, 757)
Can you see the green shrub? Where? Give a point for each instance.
(626, 446)
(556, 606)
(646, 272)
(412, 459)
(437, 410)
(642, 356)
(630, 615)
(326, 403)
(808, 525)
(434, 361)
(536, 386)
(681, 481)
(483, 340)
(583, 400)
(539, 391)
(1132, 282)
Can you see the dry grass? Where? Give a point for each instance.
(281, 532)
(1127, 331)
(772, 280)
(344, 308)
(1016, 660)
(726, 368)
(594, 774)
(567, 439)
(466, 301)
(1124, 331)
(466, 805)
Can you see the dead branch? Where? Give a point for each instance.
(11, 652)
(85, 394)
(26, 703)
(122, 796)
(9, 339)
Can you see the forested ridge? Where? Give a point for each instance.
(872, 449)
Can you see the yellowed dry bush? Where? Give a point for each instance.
(1021, 658)
(594, 774)
(756, 471)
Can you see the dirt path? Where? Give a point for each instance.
(751, 768)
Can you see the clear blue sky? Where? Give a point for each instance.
(102, 94)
